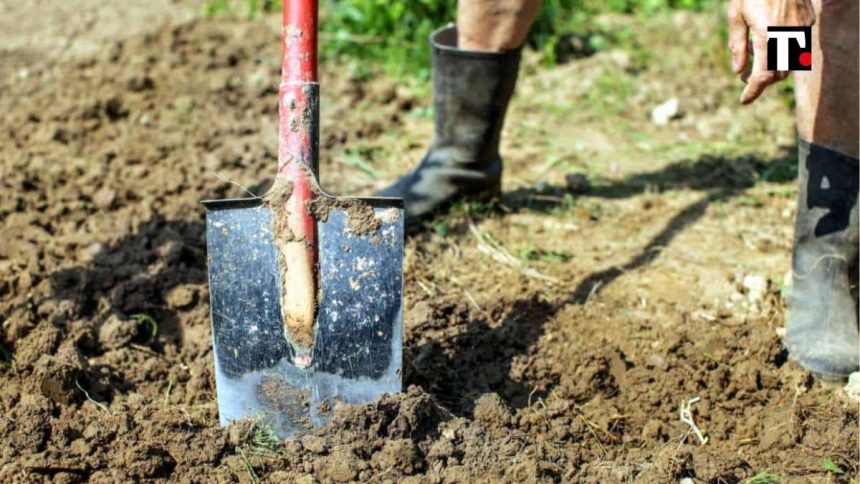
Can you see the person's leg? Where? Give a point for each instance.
(475, 66)
(494, 25)
(822, 332)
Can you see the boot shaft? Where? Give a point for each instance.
(827, 214)
(471, 92)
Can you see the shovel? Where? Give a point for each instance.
(305, 289)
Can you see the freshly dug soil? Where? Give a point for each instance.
(105, 321)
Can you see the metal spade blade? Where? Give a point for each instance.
(357, 353)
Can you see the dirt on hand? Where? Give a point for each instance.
(107, 365)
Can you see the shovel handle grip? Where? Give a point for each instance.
(298, 140)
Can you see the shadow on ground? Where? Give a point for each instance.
(478, 360)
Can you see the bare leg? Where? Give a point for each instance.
(494, 25)
(827, 96)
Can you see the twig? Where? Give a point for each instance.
(143, 349)
(498, 253)
(248, 468)
(225, 179)
(95, 402)
(687, 418)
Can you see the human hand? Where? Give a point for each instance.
(751, 18)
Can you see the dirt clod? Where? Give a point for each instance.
(361, 218)
(341, 466)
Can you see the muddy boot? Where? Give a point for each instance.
(471, 91)
(822, 333)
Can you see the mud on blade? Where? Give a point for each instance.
(358, 350)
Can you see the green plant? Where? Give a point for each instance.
(830, 466)
(533, 253)
(264, 444)
(145, 319)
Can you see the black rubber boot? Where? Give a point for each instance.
(471, 91)
(822, 334)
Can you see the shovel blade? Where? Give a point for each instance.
(358, 348)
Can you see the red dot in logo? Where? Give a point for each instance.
(805, 59)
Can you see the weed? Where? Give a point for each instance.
(264, 444)
(265, 441)
(533, 253)
(764, 477)
(145, 319)
(442, 229)
(830, 466)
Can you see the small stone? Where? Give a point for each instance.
(577, 183)
(853, 386)
(665, 112)
(105, 197)
(755, 287)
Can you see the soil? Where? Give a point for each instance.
(562, 351)
(361, 220)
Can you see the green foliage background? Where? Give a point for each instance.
(392, 34)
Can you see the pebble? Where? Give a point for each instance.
(853, 386)
(756, 287)
(665, 112)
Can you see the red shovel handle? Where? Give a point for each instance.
(298, 145)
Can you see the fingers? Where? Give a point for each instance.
(738, 36)
(759, 78)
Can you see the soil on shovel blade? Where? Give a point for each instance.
(553, 336)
